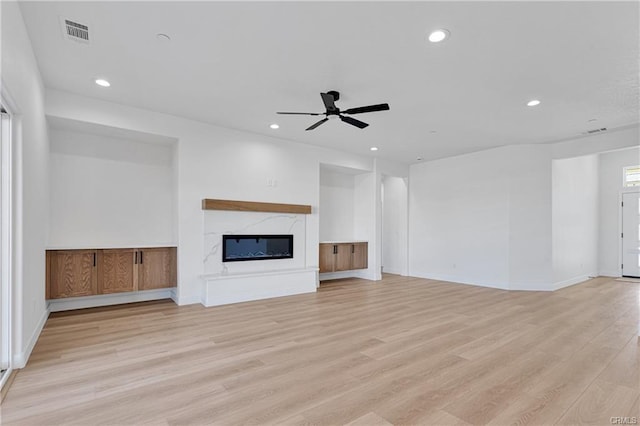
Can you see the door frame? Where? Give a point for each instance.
(626, 190)
(6, 236)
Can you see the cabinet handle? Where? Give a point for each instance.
(353, 248)
(335, 249)
(135, 258)
(141, 261)
(94, 259)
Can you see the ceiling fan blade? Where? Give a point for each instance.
(301, 113)
(313, 126)
(328, 101)
(359, 124)
(370, 108)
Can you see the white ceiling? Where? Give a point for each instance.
(236, 63)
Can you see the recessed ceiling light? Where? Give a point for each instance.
(102, 82)
(274, 126)
(374, 148)
(533, 102)
(438, 35)
(591, 120)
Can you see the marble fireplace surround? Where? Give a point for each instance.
(233, 282)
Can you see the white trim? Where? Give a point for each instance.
(458, 280)
(256, 273)
(192, 300)
(353, 273)
(393, 271)
(573, 281)
(67, 304)
(109, 247)
(6, 240)
(20, 359)
(173, 294)
(5, 376)
(614, 274)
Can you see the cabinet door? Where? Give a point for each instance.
(343, 257)
(73, 273)
(327, 258)
(116, 271)
(156, 268)
(360, 255)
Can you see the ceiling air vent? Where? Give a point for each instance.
(75, 31)
(602, 129)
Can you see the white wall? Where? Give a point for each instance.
(459, 220)
(483, 218)
(366, 220)
(336, 205)
(394, 224)
(575, 219)
(528, 168)
(110, 192)
(610, 187)
(21, 82)
(214, 162)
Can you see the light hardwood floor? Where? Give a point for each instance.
(399, 351)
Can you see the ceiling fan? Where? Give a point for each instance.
(333, 111)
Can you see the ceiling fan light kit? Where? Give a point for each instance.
(332, 111)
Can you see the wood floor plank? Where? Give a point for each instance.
(399, 351)
(595, 405)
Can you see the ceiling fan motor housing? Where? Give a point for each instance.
(335, 94)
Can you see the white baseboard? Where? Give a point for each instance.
(57, 305)
(614, 274)
(182, 300)
(20, 359)
(364, 274)
(4, 377)
(459, 280)
(338, 275)
(192, 300)
(393, 271)
(572, 281)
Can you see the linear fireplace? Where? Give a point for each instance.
(236, 248)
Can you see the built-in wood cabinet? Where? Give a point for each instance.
(359, 256)
(336, 257)
(157, 268)
(72, 273)
(117, 271)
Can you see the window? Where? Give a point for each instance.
(631, 176)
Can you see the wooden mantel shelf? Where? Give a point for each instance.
(252, 206)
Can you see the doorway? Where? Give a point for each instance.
(631, 234)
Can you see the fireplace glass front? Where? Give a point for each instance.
(236, 248)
